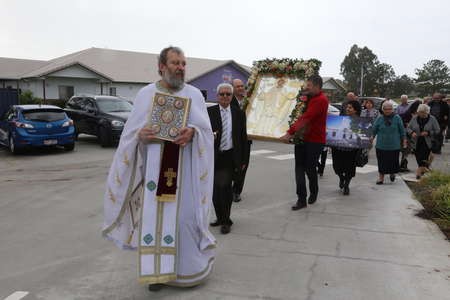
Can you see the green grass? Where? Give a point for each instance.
(433, 191)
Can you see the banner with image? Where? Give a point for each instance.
(349, 132)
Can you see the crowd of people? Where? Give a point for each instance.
(158, 192)
(416, 127)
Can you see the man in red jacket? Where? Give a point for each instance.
(311, 129)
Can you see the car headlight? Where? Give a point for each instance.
(116, 123)
(67, 123)
(23, 125)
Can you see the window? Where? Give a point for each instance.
(41, 115)
(65, 92)
(112, 91)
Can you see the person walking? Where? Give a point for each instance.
(312, 125)
(390, 137)
(344, 158)
(422, 128)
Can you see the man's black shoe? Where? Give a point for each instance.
(312, 199)
(155, 287)
(237, 198)
(225, 229)
(298, 206)
(341, 182)
(215, 224)
(346, 190)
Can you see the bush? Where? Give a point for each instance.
(441, 200)
(27, 97)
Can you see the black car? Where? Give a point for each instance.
(102, 116)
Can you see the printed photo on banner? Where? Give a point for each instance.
(349, 132)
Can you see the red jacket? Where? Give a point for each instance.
(314, 120)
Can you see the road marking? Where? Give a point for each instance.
(282, 157)
(367, 169)
(262, 151)
(16, 295)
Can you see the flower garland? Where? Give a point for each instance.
(299, 109)
(298, 68)
(281, 67)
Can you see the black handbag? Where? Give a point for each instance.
(362, 157)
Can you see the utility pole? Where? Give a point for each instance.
(362, 78)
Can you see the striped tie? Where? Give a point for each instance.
(225, 130)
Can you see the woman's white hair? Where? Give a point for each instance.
(224, 85)
(423, 108)
(387, 103)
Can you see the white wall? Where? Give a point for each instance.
(75, 72)
(81, 86)
(124, 90)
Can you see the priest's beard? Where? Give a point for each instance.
(173, 80)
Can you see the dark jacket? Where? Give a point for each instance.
(238, 133)
(443, 111)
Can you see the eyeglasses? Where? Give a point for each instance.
(224, 94)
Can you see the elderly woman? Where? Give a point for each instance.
(344, 159)
(390, 133)
(370, 111)
(422, 128)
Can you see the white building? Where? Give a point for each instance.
(95, 71)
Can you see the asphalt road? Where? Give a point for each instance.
(362, 246)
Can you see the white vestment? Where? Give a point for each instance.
(173, 240)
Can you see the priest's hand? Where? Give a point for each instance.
(146, 135)
(185, 136)
(286, 138)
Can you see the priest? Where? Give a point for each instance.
(158, 194)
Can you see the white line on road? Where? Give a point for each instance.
(262, 151)
(282, 157)
(16, 295)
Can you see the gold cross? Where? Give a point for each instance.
(170, 175)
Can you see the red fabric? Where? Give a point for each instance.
(169, 161)
(314, 120)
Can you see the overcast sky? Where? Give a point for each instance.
(404, 34)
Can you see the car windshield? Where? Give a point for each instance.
(44, 115)
(111, 105)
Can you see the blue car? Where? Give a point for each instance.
(35, 126)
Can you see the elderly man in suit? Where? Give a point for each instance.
(229, 127)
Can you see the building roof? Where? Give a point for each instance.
(334, 82)
(13, 68)
(124, 66)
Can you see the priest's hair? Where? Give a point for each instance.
(162, 58)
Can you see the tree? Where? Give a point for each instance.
(401, 85)
(351, 66)
(432, 77)
(383, 76)
(376, 75)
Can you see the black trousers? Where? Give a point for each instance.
(239, 177)
(322, 161)
(306, 160)
(222, 191)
